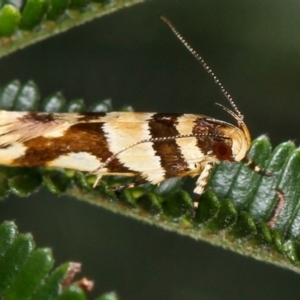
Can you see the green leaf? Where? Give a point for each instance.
(76, 106)
(9, 20)
(54, 103)
(209, 207)
(52, 287)
(8, 232)
(57, 8)
(35, 269)
(24, 270)
(72, 293)
(56, 182)
(262, 210)
(45, 18)
(33, 13)
(24, 185)
(226, 217)
(8, 94)
(109, 296)
(13, 260)
(27, 98)
(77, 4)
(289, 185)
(178, 205)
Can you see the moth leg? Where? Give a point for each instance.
(102, 172)
(98, 178)
(122, 187)
(202, 180)
(278, 208)
(251, 164)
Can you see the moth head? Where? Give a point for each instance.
(239, 136)
(233, 145)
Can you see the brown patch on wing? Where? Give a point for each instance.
(91, 116)
(205, 143)
(171, 158)
(212, 135)
(38, 117)
(82, 137)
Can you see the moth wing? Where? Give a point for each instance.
(24, 126)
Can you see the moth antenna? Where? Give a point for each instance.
(204, 65)
(229, 111)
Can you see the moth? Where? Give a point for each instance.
(150, 146)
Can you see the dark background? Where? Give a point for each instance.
(131, 57)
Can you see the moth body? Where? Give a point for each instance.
(151, 146)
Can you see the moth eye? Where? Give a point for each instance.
(222, 151)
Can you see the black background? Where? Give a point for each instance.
(131, 57)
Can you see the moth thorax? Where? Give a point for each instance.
(238, 142)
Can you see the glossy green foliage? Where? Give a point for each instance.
(16, 3)
(27, 98)
(77, 4)
(22, 267)
(257, 194)
(9, 93)
(26, 271)
(54, 103)
(24, 182)
(72, 293)
(76, 106)
(57, 8)
(38, 263)
(56, 182)
(9, 20)
(31, 15)
(257, 197)
(109, 296)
